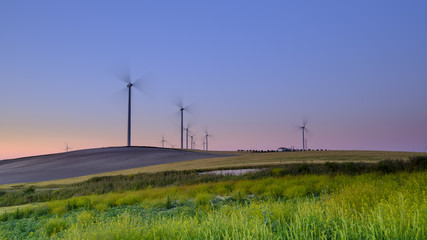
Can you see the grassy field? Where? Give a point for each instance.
(325, 195)
(241, 160)
(289, 207)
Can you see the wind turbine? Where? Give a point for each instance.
(126, 78)
(303, 128)
(163, 142)
(67, 148)
(186, 135)
(192, 142)
(207, 137)
(182, 109)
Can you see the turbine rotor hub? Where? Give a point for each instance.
(130, 85)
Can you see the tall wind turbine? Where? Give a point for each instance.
(129, 86)
(303, 128)
(126, 78)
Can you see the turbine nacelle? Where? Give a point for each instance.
(130, 85)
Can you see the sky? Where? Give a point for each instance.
(252, 72)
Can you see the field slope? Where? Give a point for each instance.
(228, 160)
(90, 161)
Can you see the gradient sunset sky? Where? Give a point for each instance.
(253, 70)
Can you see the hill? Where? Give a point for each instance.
(91, 161)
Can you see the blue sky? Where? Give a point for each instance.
(253, 70)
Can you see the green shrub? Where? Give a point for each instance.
(304, 168)
(41, 210)
(295, 191)
(85, 218)
(101, 206)
(419, 163)
(277, 172)
(29, 190)
(55, 225)
(169, 202)
(203, 198)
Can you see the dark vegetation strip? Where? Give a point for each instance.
(120, 183)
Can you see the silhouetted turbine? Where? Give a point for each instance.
(126, 78)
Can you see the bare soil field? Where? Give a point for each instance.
(91, 161)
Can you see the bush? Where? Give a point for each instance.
(419, 163)
(169, 202)
(85, 218)
(29, 190)
(55, 225)
(203, 198)
(41, 210)
(390, 166)
(277, 172)
(304, 168)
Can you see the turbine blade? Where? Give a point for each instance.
(121, 71)
(189, 125)
(142, 84)
(190, 108)
(139, 85)
(176, 100)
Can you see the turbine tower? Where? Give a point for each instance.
(129, 86)
(67, 148)
(192, 143)
(163, 142)
(303, 128)
(182, 127)
(186, 138)
(207, 136)
(125, 77)
(182, 109)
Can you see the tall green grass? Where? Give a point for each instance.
(367, 206)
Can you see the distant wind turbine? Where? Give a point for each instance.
(192, 142)
(186, 136)
(163, 142)
(182, 109)
(207, 140)
(67, 148)
(304, 129)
